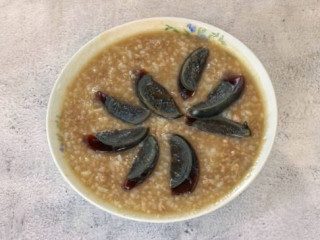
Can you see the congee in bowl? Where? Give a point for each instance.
(162, 123)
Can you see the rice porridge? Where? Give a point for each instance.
(223, 161)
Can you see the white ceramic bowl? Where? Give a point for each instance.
(113, 35)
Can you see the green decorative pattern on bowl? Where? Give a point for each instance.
(198, 31)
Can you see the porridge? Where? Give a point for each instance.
(217, 160)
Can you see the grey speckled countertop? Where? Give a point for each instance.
(37, 37)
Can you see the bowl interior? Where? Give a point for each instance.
(95, 46)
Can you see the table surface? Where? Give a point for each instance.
(38, 37)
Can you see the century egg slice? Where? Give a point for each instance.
(143, 164)
(116, 140)
(156, 98)
(222, 126)
(221, 97)
(191, 70)
(184, 172)
(123, 111)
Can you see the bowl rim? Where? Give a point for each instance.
(243, 185)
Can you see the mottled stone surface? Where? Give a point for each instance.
(36, 40)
